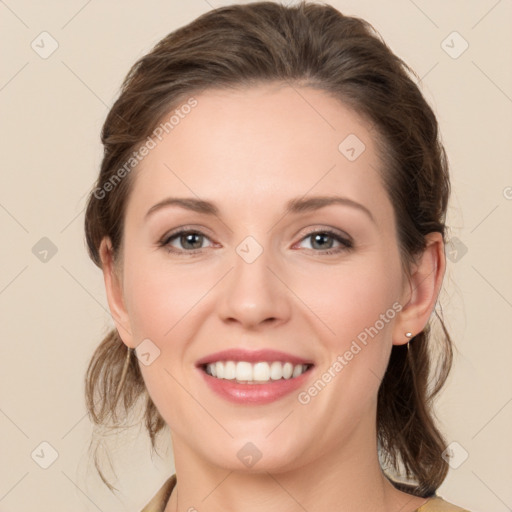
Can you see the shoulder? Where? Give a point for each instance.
(438, 504)
(160, 499)
(435, 503)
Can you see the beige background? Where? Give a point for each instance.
(54, 313)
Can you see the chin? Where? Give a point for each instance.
(256, 455)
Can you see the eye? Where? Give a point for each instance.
(191, 241)
(324, 240)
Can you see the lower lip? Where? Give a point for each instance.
(254, 393)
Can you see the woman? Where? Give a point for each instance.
(269, 219)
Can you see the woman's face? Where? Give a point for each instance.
(271, 270)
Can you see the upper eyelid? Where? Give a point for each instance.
(332, 231)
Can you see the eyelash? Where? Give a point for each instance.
(347, 244)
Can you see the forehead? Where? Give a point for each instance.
(265, 143)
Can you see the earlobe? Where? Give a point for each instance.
(114, 292)
(423, 289)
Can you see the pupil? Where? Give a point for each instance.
(320, 237)
(189, 238)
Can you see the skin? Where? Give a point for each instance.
(250, 151)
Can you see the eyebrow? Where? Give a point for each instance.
(294, 206)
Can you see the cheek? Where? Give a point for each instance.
(349, 300)
(163, 298)
(163, 303)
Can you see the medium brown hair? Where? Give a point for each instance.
(311, 45)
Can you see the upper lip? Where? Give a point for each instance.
(252, 356)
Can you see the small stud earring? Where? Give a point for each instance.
(408, 335)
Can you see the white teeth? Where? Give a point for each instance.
(296, 371)
(243, 371)
(287, 370)
(229, 370)
(261, 372)
(276, 370)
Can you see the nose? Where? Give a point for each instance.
(254, 294)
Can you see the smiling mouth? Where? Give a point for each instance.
(263, 372)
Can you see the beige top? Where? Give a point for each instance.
(159, 501)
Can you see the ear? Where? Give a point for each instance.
(114, 291)
(421, 290)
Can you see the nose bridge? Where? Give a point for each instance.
(253, 294)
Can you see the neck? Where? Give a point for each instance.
(345, 478)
